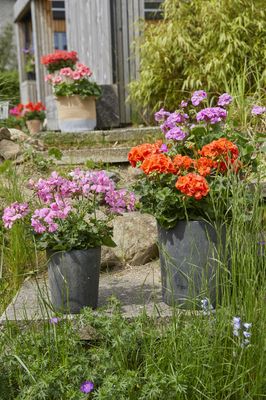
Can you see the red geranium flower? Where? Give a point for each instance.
(59, 55)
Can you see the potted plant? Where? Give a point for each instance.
(70, 219)
(76, 96)
(187, 184)
(59, 59)
(34, 115)
(29, 63)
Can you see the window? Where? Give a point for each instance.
(60, 42)
(58, 9)
(152, 10)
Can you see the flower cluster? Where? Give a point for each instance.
(258, 110)
(212, 115)
(59, 59)
(215, 157)
(193, 185)
(242, 329)
(17, 111)
(182, 176)
(64, 200)
(72, 79)
(198, 97)
(29, 111)
(14, 212)
(69, 75)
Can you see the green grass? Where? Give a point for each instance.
(190, 356)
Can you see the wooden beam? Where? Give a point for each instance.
(21, 7)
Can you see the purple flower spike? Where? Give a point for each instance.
(236, 325)
(198, 97)
(258, 110)
(224, 100)
(86, 387)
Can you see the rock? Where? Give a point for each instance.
(110, 261)
(5, 134)
(9, 150)
(35, 143)
(18, 135)
(107, 108)
(136, 237)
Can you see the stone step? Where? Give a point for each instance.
(110, 155)
(137, 289)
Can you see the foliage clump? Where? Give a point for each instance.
(200, 43)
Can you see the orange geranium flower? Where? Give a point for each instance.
(220, 147)
(159, 163)
(143, 151)
(193, 185)
(204, 165)
(182, 162)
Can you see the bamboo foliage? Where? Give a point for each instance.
(200, 44)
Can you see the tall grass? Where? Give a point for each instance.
(18, 253)
(192, 356)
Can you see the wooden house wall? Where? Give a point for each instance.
(126, 28)
(89, 33)
(41, 15)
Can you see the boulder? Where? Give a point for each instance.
(17, 135)
(5, 134)
(136, 237)
(8, 149)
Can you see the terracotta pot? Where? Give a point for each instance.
(34, 126)
(76, 114)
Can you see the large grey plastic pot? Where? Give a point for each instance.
(73, 278)
(189, 266)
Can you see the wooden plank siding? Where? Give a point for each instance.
(41, 14)
(89, 33)
(127, 17)
(59, 25)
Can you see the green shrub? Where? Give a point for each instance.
(9, 87)
(8, 59)
(200, 44)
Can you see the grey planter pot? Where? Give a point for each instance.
(188, 258)
(73, 278)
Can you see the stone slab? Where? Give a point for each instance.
(137, 288)
(106, 155)
(109, 136)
